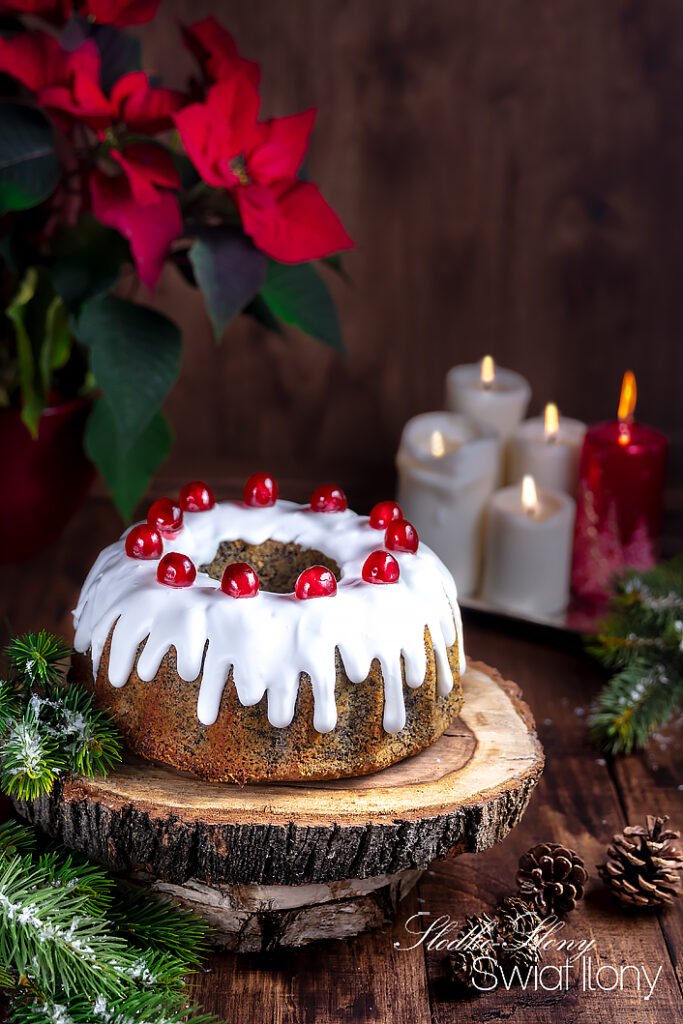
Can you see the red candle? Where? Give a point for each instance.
(621, 482)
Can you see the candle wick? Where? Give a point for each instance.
(551, 438)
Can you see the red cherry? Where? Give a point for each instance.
(381, 567)
(260, 491)
(328, 498)
(240, 580)
(166, 516)
(176, 570)
(144, 541)
(318, 581)
(383, 513)
(196, 497)
(401, 536)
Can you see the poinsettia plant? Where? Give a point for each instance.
(102, 167)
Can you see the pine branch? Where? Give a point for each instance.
(47, 727)
(642, 641)
(72, 951)
(89, 738)
(161, 925)
(47, 935)
(76, 953)
(154, 969)
(96, 744)
(38, 657)
(636, 702)
(8, 979)
(16, 837)
(78, 877)
(30, 761)
(10, 704)
(141, 1008)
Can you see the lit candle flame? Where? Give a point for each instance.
(627, 407)
(488, 371)
(551, 422)
(437, 445)
(529, 496)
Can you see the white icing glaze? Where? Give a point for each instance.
(268, 640)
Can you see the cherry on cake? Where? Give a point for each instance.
(265, 640)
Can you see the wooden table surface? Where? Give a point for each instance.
(581, 801)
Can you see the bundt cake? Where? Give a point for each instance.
(265, 640)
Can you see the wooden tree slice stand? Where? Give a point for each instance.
(286, 864)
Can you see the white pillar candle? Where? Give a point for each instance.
(447, 468)
(547, 448)
(488, 395)
(528, 549)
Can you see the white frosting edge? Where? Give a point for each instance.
(269, 640)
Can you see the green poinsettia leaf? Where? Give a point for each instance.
(31, 398)
(57, 342)
(87, 262)
(298, 295)
(29, 168)
(336, 263)
(189, 176)
(229, 271)
(127, 473)
(135, 356)
(258, 310)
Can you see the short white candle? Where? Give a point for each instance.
(488, 395)
(447, 468)
(528, 549)
(548, 448)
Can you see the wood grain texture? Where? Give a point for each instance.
(580, 803)
(651, 784)
(582, 799)
(366, 980)
(510, 170)
(177, 827)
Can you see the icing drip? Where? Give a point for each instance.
(270, 639)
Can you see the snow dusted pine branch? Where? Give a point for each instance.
(48, 727)
(642, 643)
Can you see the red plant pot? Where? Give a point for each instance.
(44, 481)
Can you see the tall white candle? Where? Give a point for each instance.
(528, 549)
(447, 468)
(547, 448)
(488, 395)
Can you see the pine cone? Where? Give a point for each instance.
(552, 877)
(644, 864)
(478, 950)
(518, 933)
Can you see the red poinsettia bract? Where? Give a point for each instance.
(56, 11)
(142, 107)
(119, 13)
(68, 83)
(138, 202)
(133, 185)
(137, 197)
(216, 52)
(258, 162)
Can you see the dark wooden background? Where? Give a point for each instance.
(512, 172)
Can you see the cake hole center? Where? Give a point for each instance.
(277, 563)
